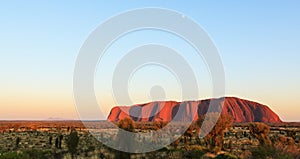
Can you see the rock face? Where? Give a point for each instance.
(241, 110)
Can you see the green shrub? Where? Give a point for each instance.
(13, 155)
(193, 154)
(29, 154)
(226, 156)
(263, 152)
(35, 154)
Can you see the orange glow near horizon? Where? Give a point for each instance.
(41, 107)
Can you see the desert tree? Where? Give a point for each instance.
(286, 145)
(56, 142)
(282, 147)
(72, 142)
(261, 132)
(159, 125)
(17, 142)
(175, 143)
(127, 124)
(50, 140)
(191, 131)
(60, 139)
(215, 137)
(125, 137)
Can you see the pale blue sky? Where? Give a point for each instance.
(258, 42)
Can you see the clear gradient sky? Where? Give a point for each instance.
(258, 41)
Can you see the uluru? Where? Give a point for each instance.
(240, 109)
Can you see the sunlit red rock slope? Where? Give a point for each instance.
(241, 110)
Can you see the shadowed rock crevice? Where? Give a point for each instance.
(135, 113)
(153, 112)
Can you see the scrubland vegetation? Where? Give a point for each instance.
(70, 139)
